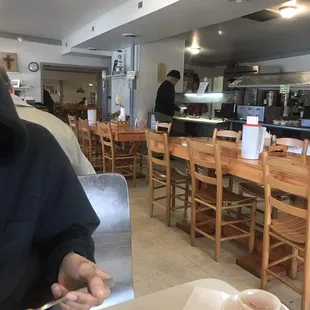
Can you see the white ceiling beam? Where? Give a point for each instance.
(122, 15)
(86, 52)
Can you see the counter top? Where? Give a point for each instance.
(199, 120)
(271, 125)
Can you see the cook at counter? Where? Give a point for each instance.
(165, 106)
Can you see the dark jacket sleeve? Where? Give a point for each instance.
(66, 221)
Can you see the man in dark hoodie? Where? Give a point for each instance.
(46, 220)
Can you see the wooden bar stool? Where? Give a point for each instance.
(295, 143)
(292, 226)
(119, 159)
(73, 123)
(257, 190)
(213, 196)
(232, 136)
(163, 127)
(229, 135)
(160, 172)
(90, 145)
(140, 123)
(142, 154)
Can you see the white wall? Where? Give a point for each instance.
(290, 64)
(29, 51)
(170, 52)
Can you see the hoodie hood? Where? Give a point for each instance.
(13, 132)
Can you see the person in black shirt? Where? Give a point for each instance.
(46, 220)
(165, 106)
(48, 101)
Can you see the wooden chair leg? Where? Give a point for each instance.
(134, 172)
(168, 199)
(151, 198)
(147, 172)
(113, 165)
(305, 301)
(186, 200)
(218, 235)
(252, 226)
(231, 183)
(172, 197)
(141, 163)
(265, 256)
(239, 210)
(294, 264)
(193, 222)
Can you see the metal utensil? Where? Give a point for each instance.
(108, 283)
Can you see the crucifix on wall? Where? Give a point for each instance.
(9, 61)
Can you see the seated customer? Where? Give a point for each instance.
(61, 131)
(46, 220)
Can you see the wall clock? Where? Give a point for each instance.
(33, 67)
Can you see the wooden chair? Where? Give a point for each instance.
(119, 160)
(140, 123)
(291, 142)
(90, 145)
(291, 228)
(213, 196)
(232, 136)
(160, 172)
(142, 153)
(163, 127)
(73, 123)
(257, 190)
(227, 135)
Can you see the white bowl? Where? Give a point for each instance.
(258, 300)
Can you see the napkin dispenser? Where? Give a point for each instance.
(253, 138)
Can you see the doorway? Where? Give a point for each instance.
(74, 89)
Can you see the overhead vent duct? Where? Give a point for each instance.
(296, 80)
(263, 16)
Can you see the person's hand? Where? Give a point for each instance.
(76, 272)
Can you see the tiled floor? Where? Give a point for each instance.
(163, 257)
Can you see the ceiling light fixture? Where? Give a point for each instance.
(195, 50)
(288, 11)
(90, 85)
(220, 32)
(19, 39)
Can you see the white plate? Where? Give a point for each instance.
(202, 299)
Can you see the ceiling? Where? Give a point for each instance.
(245, 40)
(175, 19)
(53, 19)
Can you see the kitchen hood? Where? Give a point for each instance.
(296, 80)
